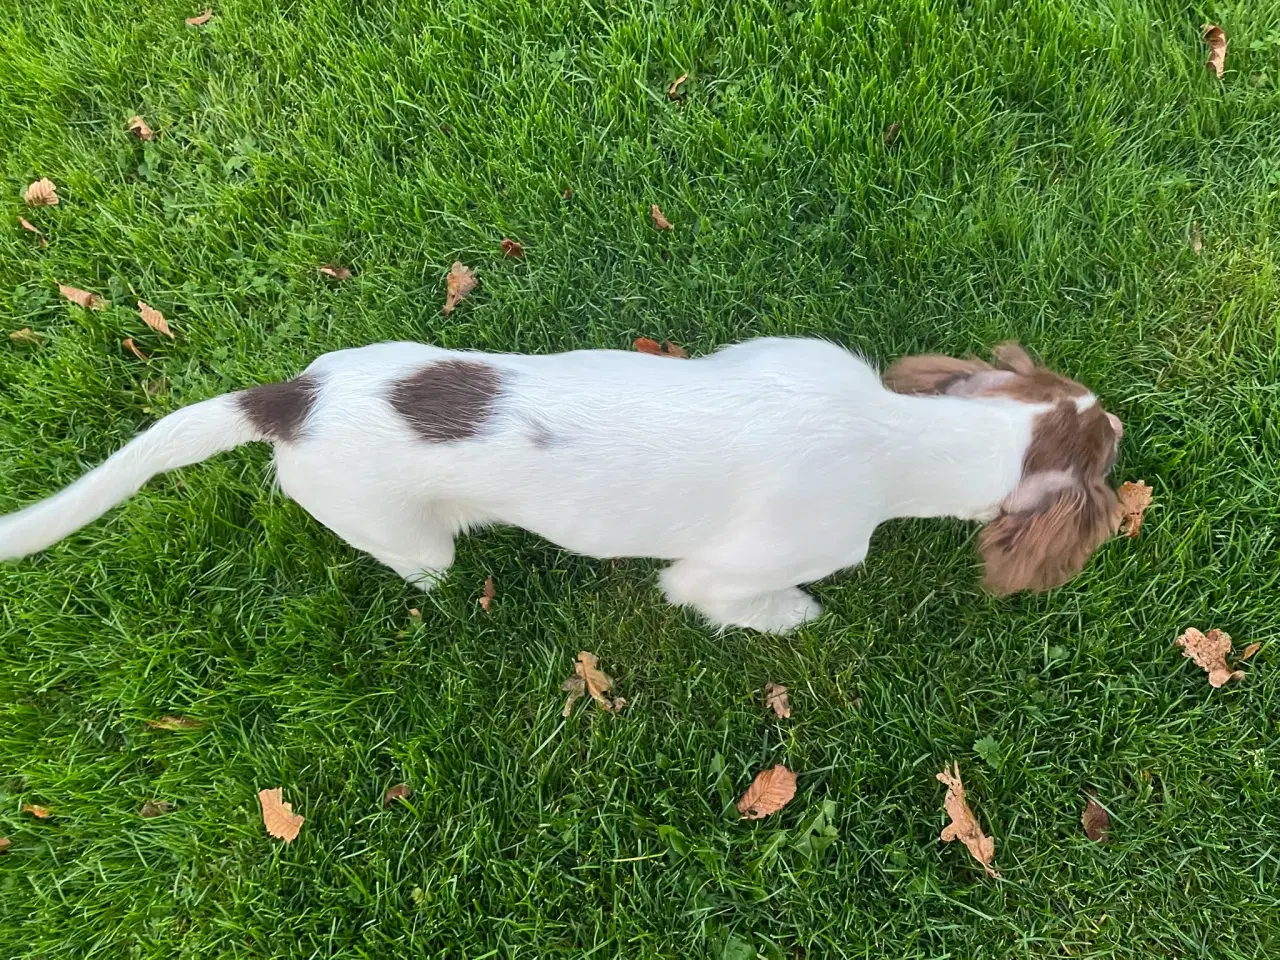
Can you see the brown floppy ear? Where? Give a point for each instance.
(1044, 545)
(930, 373)
(1010, 356)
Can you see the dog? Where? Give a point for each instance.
(763, 466)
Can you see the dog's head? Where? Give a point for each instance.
(1062, 509)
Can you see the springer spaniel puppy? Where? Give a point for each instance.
(763, 466)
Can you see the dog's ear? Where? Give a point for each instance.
(1010, 356)
(1044, 538)
(932, 373)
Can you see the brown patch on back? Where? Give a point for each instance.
(447, 400)
(279, 410)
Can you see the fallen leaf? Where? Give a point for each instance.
(400, 791)
(32, 228)
(891, 133)
(415, 614)
(168, 722)
(673, 91)
(576, 688)
(1135, 498)
(1249, 651)
(512, 248)
(42, 193)
(566, 193)
(82, 298)
(664, 349)
(598, 683)
(278, 817)
(659, 221)
(776, 699)
(1197, 241)
(769, 792)
(487, 595)
(202, 19)
(1209, 651)
(335, 271)
(1217, 41)
(1096, 821)
(154, 808)
(964, 825)
(154, 319)
(41, 813)
(25, 335)
(460, 282)
(132, 347)
(139, 126)
(4, 844)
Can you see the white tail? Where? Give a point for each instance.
(185, 437)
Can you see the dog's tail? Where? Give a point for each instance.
(184, 437)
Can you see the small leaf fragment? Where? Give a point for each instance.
(1209, 651)
(576, 688)
(4, 844)
(201, 19)
(659, 221)
(82, 298)
(400, 791)
(673, 91)
(1217, 41)
(42, 193)
(139, 127)
(25, 335)
(132, 347)
(964, 825)
(459, 284)
(674, 350)
(1096, 821)
(32, 228)
(1135, 498)
(335, 271)
(664, 349)
(771, 790)
(154, 808)
(598, 683)
(278, 817)
(1196, 238)
(891, 133)
(777, 700)
(154, 319)
(512, 248)
(487, 595)
(168, 722)
(40, 813)
(1249, 651)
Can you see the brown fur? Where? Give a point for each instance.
(930, 374)
(279, 410)
(449, 400)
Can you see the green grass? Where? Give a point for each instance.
(1053, 158)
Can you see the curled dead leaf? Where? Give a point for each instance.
(278, 817)
(400, 791)
(769, 792)
(335, 271)
(32, 228)
(42, 193)
(459, 284)
(487, 594)
(154, 319)
(777, 700)
(82, 298)
(201, 19)
(132, 347)
(512, 248)
(1217, 42)
(964, 825)
(1209, 651)
(1249, 651)
(1135, 498)
(1096, 821)
(154, 808)
(673, 91)
(25, 335)
(576, 688)
(168, 722)
(659, 221)
(139, 127)
(40, 813)
(598, 683)
(664, 349)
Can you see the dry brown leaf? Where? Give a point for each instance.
(891, 133)
(168, 722)
(512, 248)
(964, 825)
(1217, 41)
(202, 19)
(154, 319)
(460, 282)
(25, 335)
(400, 791)
(487, 595)
(415, 614)
(4, 844)
(576, 688)
(41, 813)
(598, 683)
(1209, 651)
(132, 347)
(664, 349)
(335, 271)
(777, 700)
(1135, 498)
(566, 193)
(1249, 651)
(139, 126)
(1096, 821)
(32, 228)
(42, 193)
(1197, 240)
(769, 792)
(82, 298)
(154, 808)
(674, 350)
(673, 91)
(659, 221)
(278, 817)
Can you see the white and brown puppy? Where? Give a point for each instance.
(758, 468)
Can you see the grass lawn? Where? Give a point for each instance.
(1056, 161)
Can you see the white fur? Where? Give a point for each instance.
(758, 468)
